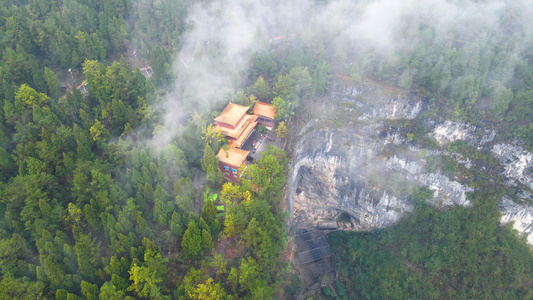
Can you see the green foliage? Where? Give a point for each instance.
(110, 291)
(209, 164)
(192, 240)
(87, 251)
(30, 97)
(208, 291)
(148, 279)
(79, 184)
(293, 286)
(249, 274)
(207, 240)
(261, 89)
(282, 129)
(219, 262)
(406, 79)
(209, 212)
(280, 108)
(20, 288)
(354, 73)
(321, 77)
(460, 252)
(98, 131)
(264, 63)
(185, 192)
(268, 176)
(502, 97)
(53, 84)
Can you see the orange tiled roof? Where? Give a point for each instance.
(235, 157)
(232, 114)
(245, 133)
(247, 122)
(264, 109)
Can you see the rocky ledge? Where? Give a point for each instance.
(356, 168)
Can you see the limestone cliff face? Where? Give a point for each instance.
(358, 167)
(329, 176)
(355, 169)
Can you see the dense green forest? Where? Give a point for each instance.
(477, 72)
(90, 208)
(480, 69)
(460, 253)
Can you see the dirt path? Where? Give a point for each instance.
(412, 267)
(197, 181)
(222, 249)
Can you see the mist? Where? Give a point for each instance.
(223, 36)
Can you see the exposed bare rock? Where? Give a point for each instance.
(447, 192)
(487, 137)
(517, 162)
(340, 169)
(450, 131)
(366, 171)
(395, 163)
(394, 138)
(520, 214)
(329, 178)
(394, 109)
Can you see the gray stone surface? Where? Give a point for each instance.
(358, 169)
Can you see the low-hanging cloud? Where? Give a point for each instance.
(216, 52)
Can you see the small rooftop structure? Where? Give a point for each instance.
(147, 71)
(232, 114)
(264, 109)
(315, 252)
(83, 88)
(313, 245)
(239, 128)
(265, 114)
(328, 225)
(233, 156)
(235, 124)
(230, 161)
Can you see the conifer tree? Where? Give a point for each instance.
(191, 242)
(207, 240)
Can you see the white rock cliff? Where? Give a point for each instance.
(358, 169)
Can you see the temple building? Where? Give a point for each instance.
(235, 124)
(230, 161)
(244, 141)
(265, 114)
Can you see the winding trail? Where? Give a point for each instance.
(197, 180)
(222, 249)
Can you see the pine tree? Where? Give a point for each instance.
(52, 83)
(191, 242)
(208, 291)
(209, 212)
(84, 143)
(261, 89)
(207, 240)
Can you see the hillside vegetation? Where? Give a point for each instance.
(92, 207)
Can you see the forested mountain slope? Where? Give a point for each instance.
(90, 207)
(104, 195)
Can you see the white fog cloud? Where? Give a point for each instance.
(216, 53)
